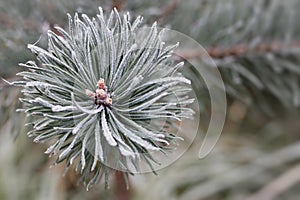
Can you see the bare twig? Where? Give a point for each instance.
(122, 191)
(6, 20)
(168, 10)
(118, 4)
(5, 82)
(9, 23)
(237, 50)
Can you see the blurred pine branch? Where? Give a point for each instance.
(256, 47)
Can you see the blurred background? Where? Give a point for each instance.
(256, 46)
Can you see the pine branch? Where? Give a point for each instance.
(118, 4)
(7, 81)
(93, 91)
(238, 35)
(28, 24)
(167, 10)
(219, 52)
(122, 190)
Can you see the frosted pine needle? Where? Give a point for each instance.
(93, 92)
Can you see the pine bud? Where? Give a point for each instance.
(74, 82)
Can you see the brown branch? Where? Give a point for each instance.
(9, 23)
(167, 10)
(214, 52)
(121, 190)
(6, 21)
(242, 49)
(3, 83)
(118, 4)
(237, 50)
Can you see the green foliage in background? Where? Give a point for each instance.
(255, 45)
